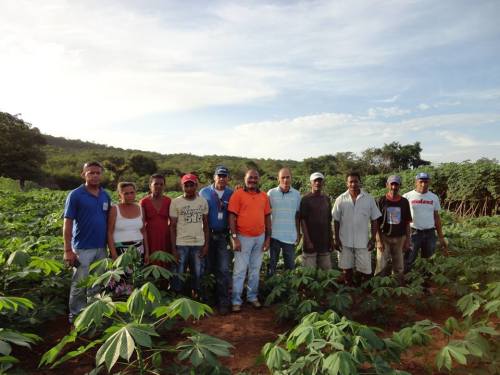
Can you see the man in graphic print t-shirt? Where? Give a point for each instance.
(189, 232)
(424, 206)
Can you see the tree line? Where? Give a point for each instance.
(470, 188)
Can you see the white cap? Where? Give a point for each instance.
(316, 175)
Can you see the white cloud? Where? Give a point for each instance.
(387, 112)
(423, 106)
(388, 100)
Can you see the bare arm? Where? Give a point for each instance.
(338, 243)
(69, 256)
(145, 238)
(111, 230)
(307, 240)
(267, 240)
(439, 230)
(204, 250)
(232, 227)
(374, 231)
(173, 235)
(297, 227)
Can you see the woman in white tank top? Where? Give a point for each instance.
(126, 228)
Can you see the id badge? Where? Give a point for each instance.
(220, 215)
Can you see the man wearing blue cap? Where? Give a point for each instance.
(219, 256)
(394, 231)
(425, 207)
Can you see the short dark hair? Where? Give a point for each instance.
(353, 174)
(122, 185)
(156, 175)
(92, 164)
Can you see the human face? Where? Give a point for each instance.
(252, 180)
(220, 181)
(92, 175)
(285, 179)
(393, 188)
(127, 194)
(189, 189)
(317, 185)
(422, 186)
(353, 184)
(157, 186)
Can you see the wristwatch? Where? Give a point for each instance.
(233, 235)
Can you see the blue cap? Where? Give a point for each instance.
(220, 169)
(395, 179)
(422, 176)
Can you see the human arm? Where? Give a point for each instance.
(267, 239)
(204, 249)
(232, 228)
(374, 229)
(308, 245)
(439, 230)
(145, 238)
(173, 235)
(297, 228)
(111, 230)
(337, 243)
(69, 255)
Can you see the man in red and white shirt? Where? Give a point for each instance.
(424, 206)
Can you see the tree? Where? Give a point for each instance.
(21, 149)
(394, 156)
(117, 166)
(142, 165)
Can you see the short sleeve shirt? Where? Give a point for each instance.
(395, 216)
(217, 207)
(316, 213)
(189, 215)
(355, 218)
(422, 208)
(90, 218)
(285, 206)
(250, 208)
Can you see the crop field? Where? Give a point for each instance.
(311, 323)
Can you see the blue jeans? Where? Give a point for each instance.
(248, 259)
(218, 260)
(423, 240)
(274, 254)
(78, 296)
(189, 255)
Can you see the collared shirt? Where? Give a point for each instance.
(217, 207)
(355, 218)
(422, 208)
(285, 206)
(90, 217)
(250, 208)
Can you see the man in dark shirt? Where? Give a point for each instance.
(315, 220)
(394, 230)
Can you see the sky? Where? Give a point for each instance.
(260, 79)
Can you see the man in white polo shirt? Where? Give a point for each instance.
(424, 206)
(353, 212)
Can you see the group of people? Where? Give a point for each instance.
(204, 230)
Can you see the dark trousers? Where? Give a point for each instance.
(274, 254)
(217, 263)
(423, 241)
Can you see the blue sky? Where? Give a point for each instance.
(277, 79)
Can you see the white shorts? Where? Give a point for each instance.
(360, 259)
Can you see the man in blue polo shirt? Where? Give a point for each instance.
(285, 203)
(84, 230)
(219, 256)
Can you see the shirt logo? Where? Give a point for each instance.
(105, 206)
(421, 201)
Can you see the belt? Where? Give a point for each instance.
(423, 230)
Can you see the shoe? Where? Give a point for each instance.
(223, 310)
(256, 304)
(236, 308)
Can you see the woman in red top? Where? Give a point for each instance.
(156, 208)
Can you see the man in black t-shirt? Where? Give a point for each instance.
(394, 230)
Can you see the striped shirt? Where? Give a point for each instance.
(285, 207)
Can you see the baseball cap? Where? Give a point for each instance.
(316, 175)
(189, 177)
(220, 169)
(422, 176)
(395, 179)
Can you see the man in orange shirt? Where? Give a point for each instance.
(250, 226)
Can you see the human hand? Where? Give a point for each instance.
(236, 244)
(266, 244)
